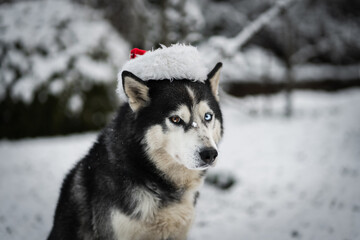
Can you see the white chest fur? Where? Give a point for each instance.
(172, 221)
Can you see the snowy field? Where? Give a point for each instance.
(297, 178)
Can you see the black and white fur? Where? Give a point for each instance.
(140, 180)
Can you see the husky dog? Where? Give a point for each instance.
(140, 180)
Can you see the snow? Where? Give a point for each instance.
(75, 104)
(252, 64)
(31, 172)
(183, 21)
(310, 72)
(256, 64)
(23, 89)
(296, 177)
(230, 32)
(95, 70)
(230, 46)
(56, 87)
(56, 38)
(194, 18)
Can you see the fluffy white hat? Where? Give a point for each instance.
(176, 62)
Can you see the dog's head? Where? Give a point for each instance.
(181, 120)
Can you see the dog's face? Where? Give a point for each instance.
(181, 120)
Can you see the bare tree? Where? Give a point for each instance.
(177, 22)
(289, 39)
(231, 45)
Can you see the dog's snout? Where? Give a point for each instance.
(208, 155)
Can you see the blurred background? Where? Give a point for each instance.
(290, 96)
(59, 59)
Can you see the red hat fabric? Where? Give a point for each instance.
(136, 51)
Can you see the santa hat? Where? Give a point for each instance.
(176, 62)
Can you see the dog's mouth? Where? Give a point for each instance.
(202, 166)
(204, 163)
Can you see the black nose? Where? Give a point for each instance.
(208, 155)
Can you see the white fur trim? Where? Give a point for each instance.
(176, 62)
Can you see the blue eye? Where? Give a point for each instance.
(208, 117)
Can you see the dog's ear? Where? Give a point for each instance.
(213, 80)
(136, 91)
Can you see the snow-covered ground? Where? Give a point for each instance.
(296, 177)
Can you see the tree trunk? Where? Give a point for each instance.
(289, 42)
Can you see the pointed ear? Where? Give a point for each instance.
(136, 91)
(213, 79)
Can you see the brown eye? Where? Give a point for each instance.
(175, 119)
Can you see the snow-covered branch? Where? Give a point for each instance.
(305, 53)
(228, 46)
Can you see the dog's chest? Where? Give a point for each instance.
(172, 221)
